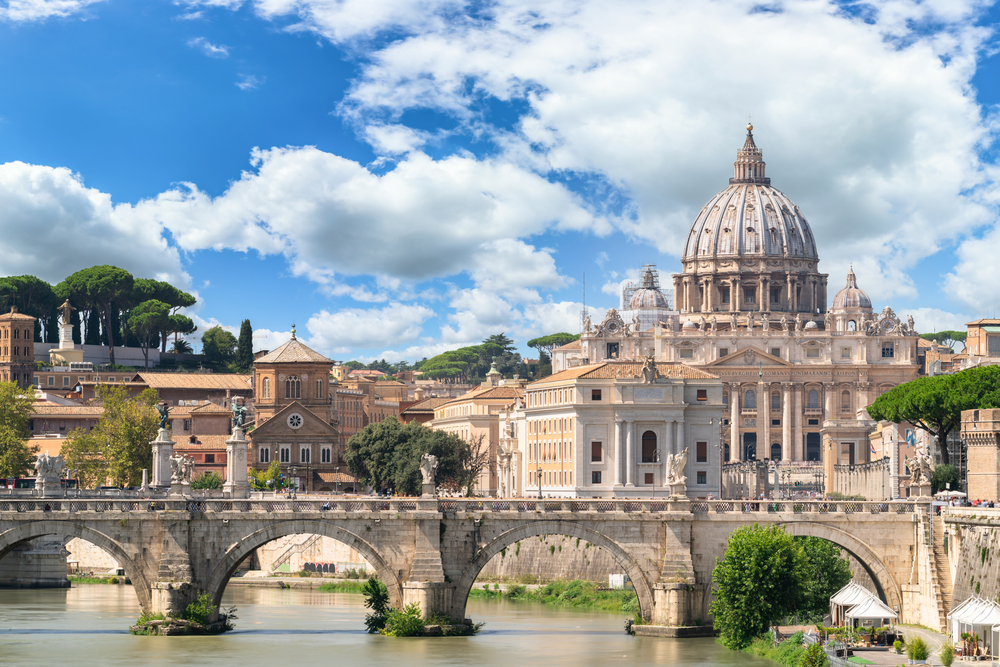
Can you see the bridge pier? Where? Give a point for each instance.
(672, 604)
(434, 597)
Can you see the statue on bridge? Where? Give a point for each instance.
(239, 414)
(164, 411)
(921, 471)
(428, 468)
(181, 468)
(649, 372)
(675, 473)
(48, 467)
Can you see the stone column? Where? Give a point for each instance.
(618, 452)
(765, 294)
(799, 445)
(629, 453)
(737, 297)
(236, 485)
(763, 421)
(163, 449)
(828, 400)
(786, 421)
(677, 293)
(734, 422)
(793, 302)
(681, 442)
(666, 450)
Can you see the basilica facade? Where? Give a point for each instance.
(751, 307)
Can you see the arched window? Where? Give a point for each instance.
(813, 401)
(852, 325)
(16, 331)
(845, 401)
(293, 388)
(775, 401)
(319, 388)
(750, 401)
(649, 447)
(265, 388)
(775, 452)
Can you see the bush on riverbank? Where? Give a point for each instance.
(569, 593)
(343, 587)
(788, 652)
(84, 579)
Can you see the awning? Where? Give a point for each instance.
(871, 608)
(850, 595)
(977, 612)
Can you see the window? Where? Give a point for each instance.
(595, 477)
(111, 379)
(750, 400)
(703, 394)
(319, 389)
(845, 353)
(723, 352)
(648, 478)
(775, 422)
(649, 447)
(725, 294)
(265, 455)
(52, 381)
(776, 352)
(775, 452)
(725, 398)
(612, 350)
(702, 477)
(305, 454)
(187, 424)
(852, 325)
(687, 353)
(65, 381)
(595, 394)
(701, 452)
(265, 388)
(285, 454)
(814, 422)
(812, 353)
(596, 452)
(775, 401)
(888, 350)
(812, 401)
(749, 295)
(209, 458)
(325, 454)
(845, 401)
(993, 346)
(293, 388)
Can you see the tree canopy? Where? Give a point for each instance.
(218, 346)
(244, 347)
(149, 319)
(547, 343)
(949, 338)
(387, 455)
(117, 449)
(935, 404)
(99, 287)
(763, 577)
(468, 364)
(16, 457)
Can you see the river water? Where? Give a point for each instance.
(88, 625)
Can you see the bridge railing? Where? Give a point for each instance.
(474, 505)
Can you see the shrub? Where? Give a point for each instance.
(916, 649)
(813, 656)
(201, 610)
(376, 599)
(897, 646)
(947, 655)
(405, 622)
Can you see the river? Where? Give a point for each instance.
(88, 625)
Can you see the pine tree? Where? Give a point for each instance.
(93, 328)
(244, 350)
(52, 328)
(75, 320)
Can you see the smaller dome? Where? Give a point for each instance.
(851, 296)
(811, 325)
(689, 326)
(648, 298)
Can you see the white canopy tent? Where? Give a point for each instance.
(975, 615)
(871, 609)
(849, 596)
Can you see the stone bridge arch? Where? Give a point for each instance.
(223, 570)
(29, 531)
(643, 589)
(885, 584)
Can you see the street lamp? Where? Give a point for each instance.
(538, 478)
(294, 481)
(337, 471)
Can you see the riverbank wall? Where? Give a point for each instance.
(973, 548)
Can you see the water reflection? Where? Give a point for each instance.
(88, 625)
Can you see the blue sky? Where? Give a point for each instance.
(399, 177)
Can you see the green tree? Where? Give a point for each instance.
(146, 320)
(218, 346)
(546, 344)
(92, 333)
(944, 475)
(376, 599)
(829, 573)
(814, 656)
(268, 480)
(181, 347)
(935, 404)
(208, 480)
(244, 348)
(949, 338)
(179, 324)
(16, 456)
(117, 449)
(761, 578)
(99, 287)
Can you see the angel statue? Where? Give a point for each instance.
(164, 411)
(428, 466)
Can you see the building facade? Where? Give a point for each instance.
(17, 348)
(752, 310)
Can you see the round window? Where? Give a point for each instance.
(295, 421)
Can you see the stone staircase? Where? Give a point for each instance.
(942, 572)
(292, 549)
(678, 567)
(427, 566)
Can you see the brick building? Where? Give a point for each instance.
(981, 433)
(17, 348)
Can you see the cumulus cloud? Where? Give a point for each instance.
(350, 328)
(249, 82)
(24, 11)
(209, 49)
(53, 225)
(930, 320)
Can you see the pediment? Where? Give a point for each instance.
(749, 356)
(278, 426)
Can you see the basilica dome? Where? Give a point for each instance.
(749, 218)
(851, 296)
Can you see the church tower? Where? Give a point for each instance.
(17, 348)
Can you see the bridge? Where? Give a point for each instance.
(430, 551)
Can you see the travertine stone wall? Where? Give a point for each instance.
(550, 558)
(974, 553)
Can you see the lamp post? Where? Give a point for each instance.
(538, 478)
(337, 472)
(722, 450)
(294, 481)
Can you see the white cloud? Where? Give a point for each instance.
(209, 49)
(18, 11)
(339, 332)
(394, 139)
(53, 225)
(249, 82)
(931, 320)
